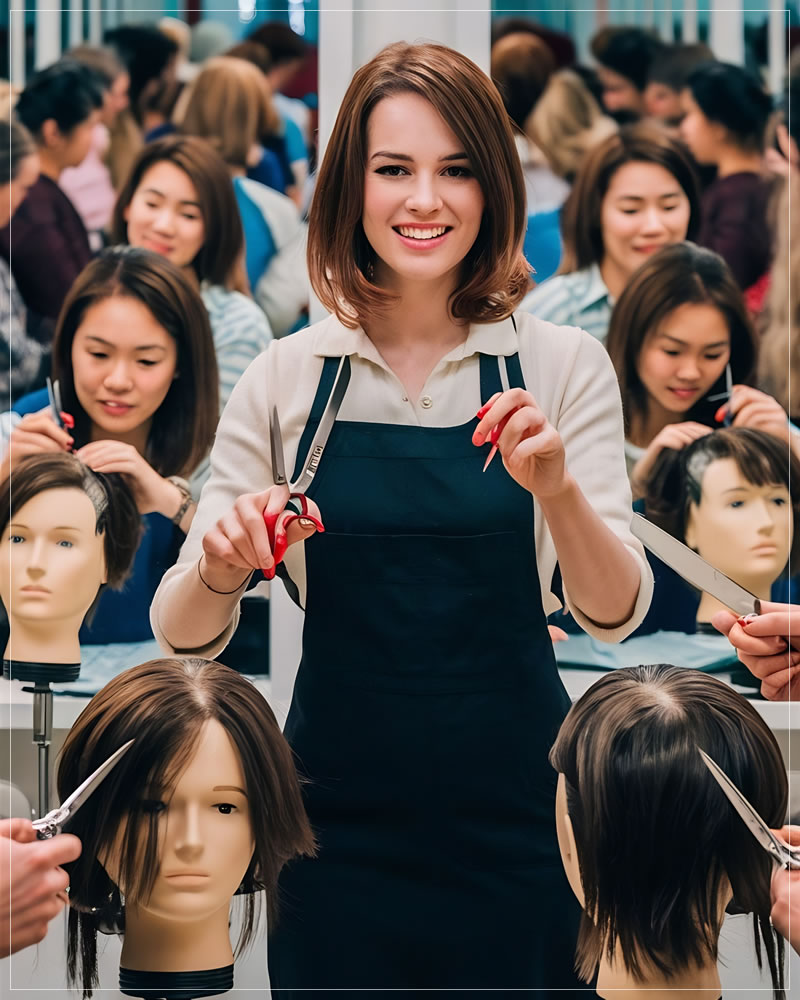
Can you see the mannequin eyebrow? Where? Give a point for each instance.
(58, 527)
(410, 159)
(229, 788)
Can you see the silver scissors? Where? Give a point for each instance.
(782, 854)
(48, 826)
(63, 420)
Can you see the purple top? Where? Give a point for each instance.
(46, 246)
(735, 225)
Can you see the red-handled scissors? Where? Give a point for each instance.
(296, 507)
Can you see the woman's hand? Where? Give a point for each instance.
(35, 434)
(785, 914)
(152, 493)
(750, 407)
(675, 436)
(532, 450)
(239, 540)
(761, 647)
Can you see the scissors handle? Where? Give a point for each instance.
(296, 509)
(50, 825)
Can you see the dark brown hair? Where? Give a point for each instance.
(581, 216)
(657, 840)
(679, 274)
(521, 66)
(763, 459)
(495, 273)
(162, 705)
(183, 426)
(219, 259)
(117, 518)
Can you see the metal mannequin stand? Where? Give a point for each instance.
(42, 675)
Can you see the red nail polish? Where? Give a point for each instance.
(483, 410)
(269, 574)
(494, 434)
(719, 416)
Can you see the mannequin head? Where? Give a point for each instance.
(733, 496)
(209, 787)
(67, 532)
(651, 846)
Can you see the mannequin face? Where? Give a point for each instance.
(205, 834)
(52, 561)
(566, 841)
(742, 529)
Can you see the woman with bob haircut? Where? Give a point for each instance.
(726, 110)
(634, 193)
(167, 706)
(678, 325)
(179, 202)
(229, 106)
(652, 847)
(135, 361)
(415, 238)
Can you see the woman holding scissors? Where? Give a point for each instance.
(427, 697)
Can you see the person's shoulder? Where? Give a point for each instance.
(31, 402)
(553, 347)
(557, 294)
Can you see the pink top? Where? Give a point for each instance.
(88, 186)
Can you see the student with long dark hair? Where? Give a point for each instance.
(677, 326)
(726, 112)
(49, 245)
(134, 357)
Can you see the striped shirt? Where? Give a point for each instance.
(577, 299)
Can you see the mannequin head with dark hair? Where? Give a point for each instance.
(651, 846)
(67, 533)
(734, 497)
(205, 804)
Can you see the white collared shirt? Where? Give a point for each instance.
(579, 298)
(568, 373)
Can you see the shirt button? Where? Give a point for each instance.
(405, 399)
(426, 402)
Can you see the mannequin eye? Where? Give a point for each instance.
(226, 808)
(16, 539)
(737, 503)
(65, 543)
(780, 501)
(152, 806)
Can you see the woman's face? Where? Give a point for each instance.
(123, 364)
(13, 194)
(164, 214)
(205, 833)
(684, 355)
(422, 203)
(115, 99)
(52, 560)
(619, 93)
(702, 136)
(76, 143)
(644, 209)
(744, 530)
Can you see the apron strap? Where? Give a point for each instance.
(324, 389)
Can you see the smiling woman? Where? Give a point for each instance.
(135, 360)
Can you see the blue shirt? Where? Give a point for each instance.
(577, 299)
(259, 243)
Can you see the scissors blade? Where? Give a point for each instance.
(85, 789)
(54, 398)
(779, 851)
(276, 447)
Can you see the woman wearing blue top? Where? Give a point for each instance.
(635, 193)
(135, 361)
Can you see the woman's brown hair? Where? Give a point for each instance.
(676, 481)
(495, 273)
(679, 274)
(230, 105)
(658, 843)
(220, 259)
(183, 426)
(162, 705)
(581, 225)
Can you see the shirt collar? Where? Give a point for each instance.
(335, 340)
(594, 290)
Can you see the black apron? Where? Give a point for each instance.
(425, 704)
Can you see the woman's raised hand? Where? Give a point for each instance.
(750, 407)
(532, 450)
(240, 541)
(35, 434)
(152, 492)
(675, 436)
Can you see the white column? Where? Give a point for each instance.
(666, 26)
(96, 24)
(75, 22)
(726, 32)
(48, 33)
(689, 21)
(16, 43)
(776, 46)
